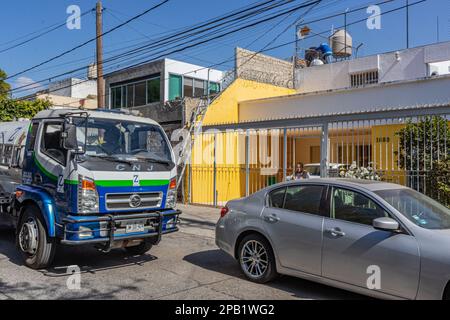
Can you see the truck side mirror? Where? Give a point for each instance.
(70, 137)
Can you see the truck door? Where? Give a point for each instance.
(50, 159)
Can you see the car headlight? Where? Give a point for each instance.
(87, 196)
(171, 198)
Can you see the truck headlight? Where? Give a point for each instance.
(87, 196)
(171, 198)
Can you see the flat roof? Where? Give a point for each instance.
(347, 89)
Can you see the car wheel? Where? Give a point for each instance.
(36, 247)
(256, 259)
(140, 249)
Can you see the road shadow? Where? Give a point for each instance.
(87, 258)
(27, 291)
(219, 261)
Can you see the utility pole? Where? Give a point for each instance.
(99, 33)
(437, 28)
(407, 24)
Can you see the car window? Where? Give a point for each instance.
(51, 142)
(353, 206)
(304, 199)
(418, 208)
(276, 198)
(313, 170)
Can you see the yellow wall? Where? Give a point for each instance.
(230, 169)
(225, 108)
(230, 147)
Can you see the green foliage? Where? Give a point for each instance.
(424, 154)
(4, 87)
(11, 110)
(424, 142)
(439, 181)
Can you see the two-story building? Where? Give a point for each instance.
(387, 113)
(155, 88)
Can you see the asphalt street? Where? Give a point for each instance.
(185, 265)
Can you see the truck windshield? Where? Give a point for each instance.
(122, 139)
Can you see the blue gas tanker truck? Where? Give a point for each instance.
(76, 177)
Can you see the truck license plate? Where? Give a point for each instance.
(135, 227)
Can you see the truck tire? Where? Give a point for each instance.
(32, 240)
(141, 248)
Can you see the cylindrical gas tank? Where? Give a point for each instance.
(12, 146)
(341, 43)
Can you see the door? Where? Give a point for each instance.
(356, 253)
(51, 161)
(293, 220)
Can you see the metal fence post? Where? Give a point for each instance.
(215, 172)
(284, 154)
(247, 163)
(324, 151)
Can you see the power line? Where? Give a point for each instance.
(303, 5)
(89, 41)
(190, 45)
(41, 34)
(291, 42)
(215, 20)
(253, 55)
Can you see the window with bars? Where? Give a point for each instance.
(364, 78)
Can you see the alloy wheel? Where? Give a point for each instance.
(254, 259)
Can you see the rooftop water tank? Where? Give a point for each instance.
(341, 44)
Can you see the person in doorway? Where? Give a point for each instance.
(300, 173)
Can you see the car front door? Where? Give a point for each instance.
(356, 253)
(293, 220)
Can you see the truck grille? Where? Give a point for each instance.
(139, 200)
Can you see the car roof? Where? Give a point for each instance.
(370, 185)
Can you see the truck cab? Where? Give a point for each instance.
(98, 178)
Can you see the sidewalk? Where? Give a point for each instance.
(207, 215)
(198, 220)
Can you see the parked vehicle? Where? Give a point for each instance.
(89, 177)
(374, 238)
(333, 169)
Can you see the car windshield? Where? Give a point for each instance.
(122, 139)
(312, 170)
(418, 208)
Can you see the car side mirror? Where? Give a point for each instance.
(386, 224)
(70, 138)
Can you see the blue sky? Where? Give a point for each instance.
(22, 17)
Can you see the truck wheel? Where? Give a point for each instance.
(141, 248)
(36, 247)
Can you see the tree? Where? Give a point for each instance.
(4, 86)
(11, 110)
(424, 155)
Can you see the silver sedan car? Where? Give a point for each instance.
(374, 238)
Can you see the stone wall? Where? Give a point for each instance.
(262, 68)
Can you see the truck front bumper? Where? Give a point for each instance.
(79, 230)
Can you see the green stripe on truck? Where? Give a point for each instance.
(129, 183)
(50, 175)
